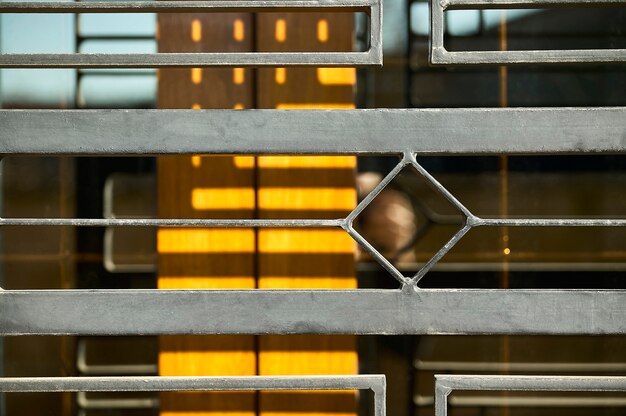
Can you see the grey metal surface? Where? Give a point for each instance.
(524, 367)
(379, 131)
(373, 56)
(184, 6)
(440, 56)
(424, 311)
(375, 383)
(446, 384)
(498, 401)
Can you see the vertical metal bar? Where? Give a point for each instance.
(2, 396)
(441, 398)
(436, 49)
(376, 33)
(380, 399)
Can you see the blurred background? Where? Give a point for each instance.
(408, 222)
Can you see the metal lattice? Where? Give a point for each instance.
(406, 133)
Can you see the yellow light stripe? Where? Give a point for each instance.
(239, 106)
(314, 106)
(222, 198)
(280, 75)
(272, 358)
(238, 30)
(308, 162)
(239, 76)
(196, 75)
(196, 107)
(206, 240)
(206, 282)
(196, 161)
(196, 30)
(322, 30)
(244, 162)
(280, 30)
(305, 241)
(336, 76)
(319, 199)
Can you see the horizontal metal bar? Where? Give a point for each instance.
(526, 4)
(412, 311)
(440, 56)
(381, 131)
(169, 222)
(548, 222)
(493, 401)
(446, 384)
(529, 383)
(187, 60)
(215, 59)
(538, 401)
(213, 6)
(375, 383)
(556, 367)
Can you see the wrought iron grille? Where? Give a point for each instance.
(408, 309)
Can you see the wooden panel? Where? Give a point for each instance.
(306, 187)
(206, 187)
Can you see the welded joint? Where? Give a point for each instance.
(442, 392)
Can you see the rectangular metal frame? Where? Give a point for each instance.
(376, 131)
(446, 384)
(373, 56)
(409, 310)
(376, 383)
(440, 56)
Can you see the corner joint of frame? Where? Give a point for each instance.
(438, 55)
(472, 220)
(409, 287)
(408, 158)
(440, 388)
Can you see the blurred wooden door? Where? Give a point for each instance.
(206, 187)
(264, 187)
